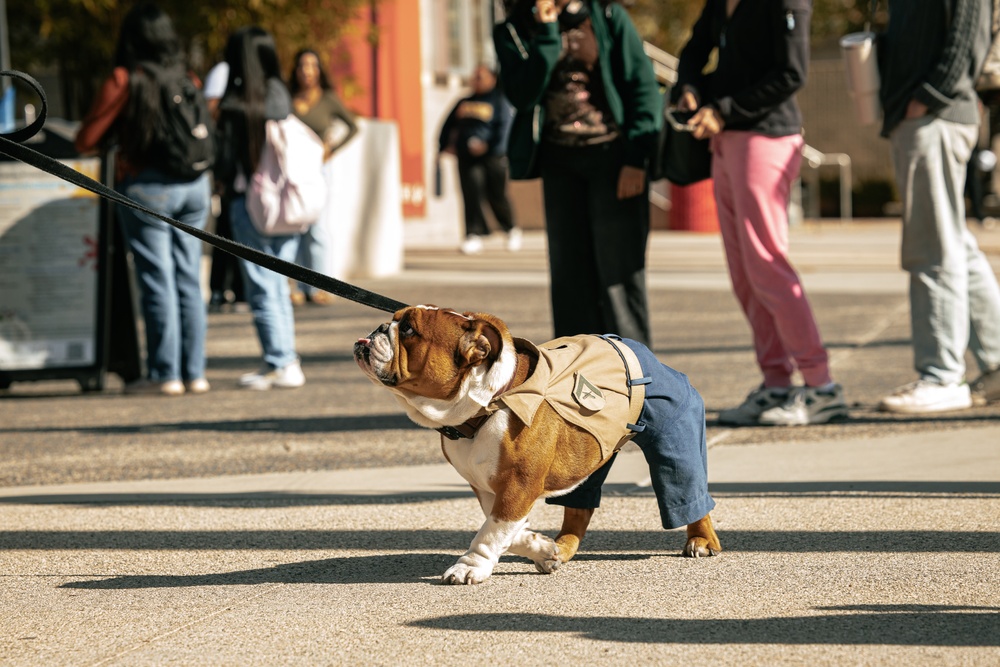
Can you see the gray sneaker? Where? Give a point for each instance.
(756, 403)
(807, 405)
(986, 388)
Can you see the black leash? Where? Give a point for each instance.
(10, 145)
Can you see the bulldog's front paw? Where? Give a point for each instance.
(464, 572)
(699, 547)
(540, 549)
(551, 562)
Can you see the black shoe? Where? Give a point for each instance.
(216, 303)
(986, 388)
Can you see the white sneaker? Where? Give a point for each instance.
(472, 245)
(514, 240)
(757, 402)
(926, 396)
(289, 377)
(146, 387)
(807, 405)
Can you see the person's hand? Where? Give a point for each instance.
(688, 100)
(915, 109)
(545, 11)
(477, 147)
(707, 123)
(631, 182)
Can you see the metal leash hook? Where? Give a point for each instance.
(11, 146)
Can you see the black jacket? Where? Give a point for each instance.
(932, 51)
(763, 59)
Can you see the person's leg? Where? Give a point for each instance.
(226, 273)
(149, 240)
(267, 291)
(620, 228)
(984, 307)
(217, 276)
(573, 274)
(186, 251)
(495, 168)
(312, 254)
(729, 166)
(779, 312)
(472, 177)
(929, 156)
(974, 188)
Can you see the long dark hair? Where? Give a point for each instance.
(147, 38)
(293, 79)
(253, 59)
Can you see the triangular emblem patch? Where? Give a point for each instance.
(587, 394)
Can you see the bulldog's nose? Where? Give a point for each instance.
(384, 329)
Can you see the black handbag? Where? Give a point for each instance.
(680, 158)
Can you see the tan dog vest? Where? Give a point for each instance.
(592, 382)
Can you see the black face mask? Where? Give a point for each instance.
(573, 14)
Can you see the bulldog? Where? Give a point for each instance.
(522, 422)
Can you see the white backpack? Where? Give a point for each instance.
(287, 193)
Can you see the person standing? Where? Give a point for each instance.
(750, 112)
(225, 282)
(255, 94)
(931, 118)
(476, 132)
(316, 104)
(587, 117)
(167, 260)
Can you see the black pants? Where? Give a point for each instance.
(225, 273)
(597, 243)
(484, 178)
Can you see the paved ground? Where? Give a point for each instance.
(310, 526)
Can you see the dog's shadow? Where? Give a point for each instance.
(389, 568)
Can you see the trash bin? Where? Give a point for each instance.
(692, 208)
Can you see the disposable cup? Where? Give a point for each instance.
(861, 67)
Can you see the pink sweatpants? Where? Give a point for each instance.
(753, 174)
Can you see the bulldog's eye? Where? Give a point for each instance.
(405, 329)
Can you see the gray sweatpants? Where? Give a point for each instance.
(954, 297)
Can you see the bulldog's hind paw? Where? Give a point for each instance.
(699, 547)
(463, 573)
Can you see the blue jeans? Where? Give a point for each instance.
(168, 270)
(267, 292)
(954, 297)
(672, 440)
(312, 253)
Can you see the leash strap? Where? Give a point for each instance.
(10, 145)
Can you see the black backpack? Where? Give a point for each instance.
(183, 142)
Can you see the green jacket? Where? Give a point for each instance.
(526, 64)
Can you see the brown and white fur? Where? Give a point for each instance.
(443, 368)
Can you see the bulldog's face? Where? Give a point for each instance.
(438, 354)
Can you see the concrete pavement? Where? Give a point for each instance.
(310, 526)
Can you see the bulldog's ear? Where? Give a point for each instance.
(481, 341)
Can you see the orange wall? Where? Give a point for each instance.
(387, 82)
